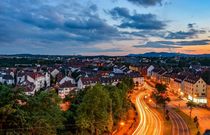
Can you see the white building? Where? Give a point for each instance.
(87, 81)
(195, 89)
(65, 88)
(149, 70)
(54, 72)
(8, 79)
(67, 78)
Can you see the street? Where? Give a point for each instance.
(179, 126)
(150, 123)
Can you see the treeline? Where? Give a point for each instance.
(95, 110)
(12, 62)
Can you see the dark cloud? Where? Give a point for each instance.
(192, 32)
(40, 23)
(137, 21)
(181, 35)
(146, 33)
(157, 44)
(194, 43)
(191, 25)
(172, 44)
(146, 2)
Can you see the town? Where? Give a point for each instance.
(104, 67)
(187, 78)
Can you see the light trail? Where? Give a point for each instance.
(150, 123)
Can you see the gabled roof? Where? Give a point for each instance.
(192, 79)
(67, 84)
(134, 74)
(34, 75)
(27, 86)
(8, 77)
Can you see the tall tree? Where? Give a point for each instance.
(160, 95)
(94, 111)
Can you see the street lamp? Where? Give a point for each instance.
(122, 123)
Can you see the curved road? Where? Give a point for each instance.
(150, 123)
(179, 126)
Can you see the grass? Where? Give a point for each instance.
(189, 122)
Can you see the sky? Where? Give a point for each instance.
(104, 27)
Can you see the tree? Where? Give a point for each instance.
(161, 88)
(190, 105)
(44, 111)
(29, 114)
(94, 111)
(160, 95)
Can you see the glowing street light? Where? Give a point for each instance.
(122, 123)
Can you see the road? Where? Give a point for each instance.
(179, 126)
(202, 114)
(150, 123)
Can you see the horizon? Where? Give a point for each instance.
(104, 55)
(110, 28)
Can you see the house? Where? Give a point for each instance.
(149, 70)
(165, 78)
(137, 78)
(117, 70)
(134, 68)
(28, 87)
(157, 74)
(195, 89)
(177, 84)
(110, 81)
(39, 80)
(87, 81)
(67, 78)
(8, 79)
(54, 72)
(65, 88)
(21, 77)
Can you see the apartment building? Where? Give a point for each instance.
(195, 89)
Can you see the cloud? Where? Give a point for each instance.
(136, 21)
(54, 21)
(191, 25)
(172, 44)
(146, 2)
(190, 33)
(157, 44)
(194, 43)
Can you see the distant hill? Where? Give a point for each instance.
(166, 54)
(149, 54)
